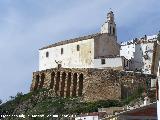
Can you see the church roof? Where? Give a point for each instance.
(72, 40)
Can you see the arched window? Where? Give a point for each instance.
(57, 82)
(63, 84)
(52, 80)
(42, 80)
(61, 50)
(80, 85)
(74, 89)
(36, 82)
(110, 30)
(78, 47)
(68, 85)
(47, 54)
(113, 31)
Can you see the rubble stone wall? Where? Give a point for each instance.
(91, 84)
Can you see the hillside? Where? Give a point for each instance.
(44, 102)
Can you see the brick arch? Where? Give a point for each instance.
(36, 83)
(74, 88)
(42, 80)
(57, 82)
(68, 84)
(52, 80)
(80, 87)
(63, 84)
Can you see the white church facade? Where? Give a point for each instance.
(99, 50)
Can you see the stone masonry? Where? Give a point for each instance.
(89, 83)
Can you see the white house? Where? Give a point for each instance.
(143, 54)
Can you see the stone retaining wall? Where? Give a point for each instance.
(91, 84)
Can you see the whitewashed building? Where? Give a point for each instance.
(99, 50)
(143, 54)
(158, 91)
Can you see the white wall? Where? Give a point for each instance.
(127, 51)
(136, 53)
(109, 62)
(101, 45)
(147, 50)
(71, 58)
(87, 118)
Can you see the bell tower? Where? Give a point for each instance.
(109, 26)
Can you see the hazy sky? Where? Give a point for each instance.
(27, 25)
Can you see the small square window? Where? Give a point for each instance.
(61, 50)
(103, 61)
(47, 54)
(78, 47)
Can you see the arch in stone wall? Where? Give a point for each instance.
(74, 87)
(36, 83)
(80, 88)
(57, 81)
(42, 80)
(63, 84)
(52, 80)
(68, 84)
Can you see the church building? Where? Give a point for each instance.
(99, 50)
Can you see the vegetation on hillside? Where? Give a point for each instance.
(37, 103)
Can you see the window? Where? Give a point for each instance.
(110, 30)
(47, 54)
(78, 47)
(127, 64)
(61, 50)
(113, 31)
(103, 61)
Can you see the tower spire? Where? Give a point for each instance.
(109, 26)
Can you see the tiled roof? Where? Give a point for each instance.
(72, 40)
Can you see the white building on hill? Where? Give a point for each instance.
(99, 50)
(143, 53)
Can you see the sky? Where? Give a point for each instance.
(27, 25)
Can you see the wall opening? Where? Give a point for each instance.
(63, 84)
(74, 85)
(113, 31)
(61, 50)
(110, 30)
(103, 61)
(47, 54)
(52, 80)
(80, 85)
(68, 85)
(42, 80)
(36, 83)
(57, 82)
(78, 47)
